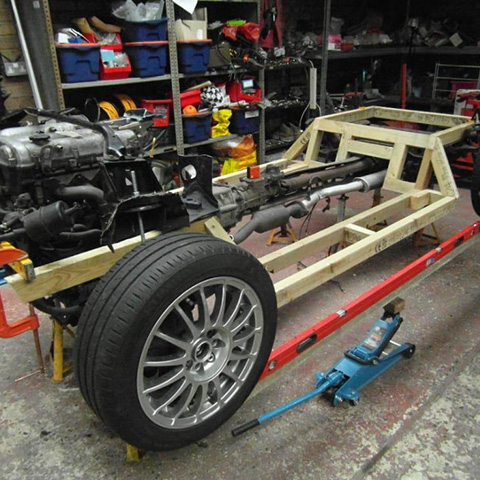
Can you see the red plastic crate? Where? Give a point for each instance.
(160, 108)
(115, 73)
(117, 47)
(188, 98)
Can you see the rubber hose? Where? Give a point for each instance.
(56, 312)
(82, 192)
(77, 236)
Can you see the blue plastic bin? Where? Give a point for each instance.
(79, 62)
(196, 128)
(193, 56)
(148, 59)
(245, 120)
(151, 31)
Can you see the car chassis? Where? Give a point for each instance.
(418, 205)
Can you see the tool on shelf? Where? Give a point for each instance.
(358, 368)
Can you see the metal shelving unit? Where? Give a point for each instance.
(55, 89)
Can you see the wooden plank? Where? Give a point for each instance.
(313, 148)
(453, 134)
(295, 252)
(425, 171)
(370, 149)
(353, 115)
(215, 228)
(375, 133)
(397, 161)
(315, 275)
(443, 173)
(421, 199)
(398, 186)
(355, 233)
(69, 272)
(426, 118)
(342, 151)
(300, 144)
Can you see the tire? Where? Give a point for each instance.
(181, 309)
(475, 185)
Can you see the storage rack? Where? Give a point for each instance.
(299, 64)
(55, 89)
(325, 56)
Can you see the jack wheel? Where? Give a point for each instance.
(409, 352)
(174, 338)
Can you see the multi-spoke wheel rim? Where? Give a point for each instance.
(200, 352)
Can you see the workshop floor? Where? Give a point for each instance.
(419, 421)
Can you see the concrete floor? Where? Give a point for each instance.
(419, 421)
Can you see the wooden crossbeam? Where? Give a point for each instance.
(308, 246)
(69, 272)
(426, 118)
(320, 272)
(355, 233)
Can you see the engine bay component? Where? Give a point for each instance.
(68, 185)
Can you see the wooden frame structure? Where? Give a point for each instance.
(419, 205)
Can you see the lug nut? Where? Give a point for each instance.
(189, 364)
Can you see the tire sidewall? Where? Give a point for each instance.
(123, 409)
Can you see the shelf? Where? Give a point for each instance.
(388, 51)
(286, 66)
(107, 83)
(269, 147)
(133, 80)
(173, 148)
(302, 104)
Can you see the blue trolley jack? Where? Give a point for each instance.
(360, 366)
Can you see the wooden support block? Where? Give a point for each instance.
(420, 200)
(355, 233)
(215, 229)
(133, 454)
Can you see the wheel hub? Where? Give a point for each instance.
(209, 355)
(200, 352)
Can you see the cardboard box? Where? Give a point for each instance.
(191, 30)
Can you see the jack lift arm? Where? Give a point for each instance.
(358, 368)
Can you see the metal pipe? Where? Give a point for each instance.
(324, 67)
(359, 184)
(264, 220)
(28, 61)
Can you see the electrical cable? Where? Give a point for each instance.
(109, 109)
(126, 101)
